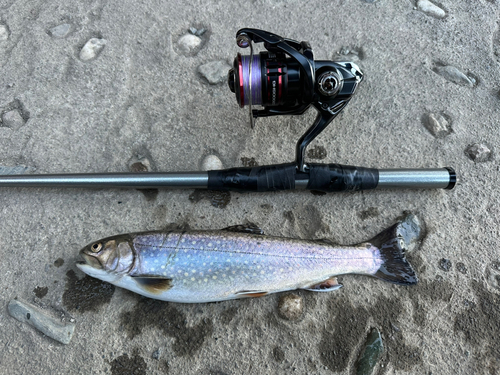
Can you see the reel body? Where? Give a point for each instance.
(286, 80)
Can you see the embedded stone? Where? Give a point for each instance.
(211, 163)
(370, 354)
(454, 75)
(478, 152)
(35, 317)
(60, 31)
(438, 125)
(291, 306)
(215, 71)
(445, 264)
(189, 43)
(430, 9)
(92, 49)
(12, 119)
(4, 32)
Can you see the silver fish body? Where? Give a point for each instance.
(205, 266)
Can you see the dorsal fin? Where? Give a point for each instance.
(153, 284)
(250, 228)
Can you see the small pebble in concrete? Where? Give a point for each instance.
(454, 75)
(200, 32)
(12, 119)
(139, 165)
(437, 124)
(19, 169)
(445, 264)
(59, 262)
(92, 49)
(249, 162)
(478, 152)
(156, 354)
(211, 163)
(291, 306)
(4, 32)
(371, 353)
(430, 9)
(348, 54)
(215, 71)
(60, 31)
(189, 43)
(461, 268)
(35, 317)
(40, 291)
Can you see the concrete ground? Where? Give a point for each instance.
(430, 98)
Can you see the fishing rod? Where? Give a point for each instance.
(285, 80)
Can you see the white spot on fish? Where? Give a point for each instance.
(214, 277)
(218, 242)
(162, 267)
(179, 271)
(206, 280)
(262, 272)
(194, 242)
(210, 244)
(192, 279)
(193, 271)
(186, 274)
(183, 240)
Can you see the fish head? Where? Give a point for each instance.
(112, 254)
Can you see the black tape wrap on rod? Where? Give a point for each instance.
(336, 177)
(264, 178)
(321, 177)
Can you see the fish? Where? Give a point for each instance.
(241, 261)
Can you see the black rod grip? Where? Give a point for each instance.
(320, 177)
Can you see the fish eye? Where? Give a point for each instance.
(96, 247)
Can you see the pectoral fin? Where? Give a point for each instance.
(154, 285)
(251, 293)
(329, 285)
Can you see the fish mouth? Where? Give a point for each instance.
(90, 260)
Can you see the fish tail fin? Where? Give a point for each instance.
(392, 244)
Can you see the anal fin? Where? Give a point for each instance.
(329, 285)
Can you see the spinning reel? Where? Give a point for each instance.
(286, 80)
